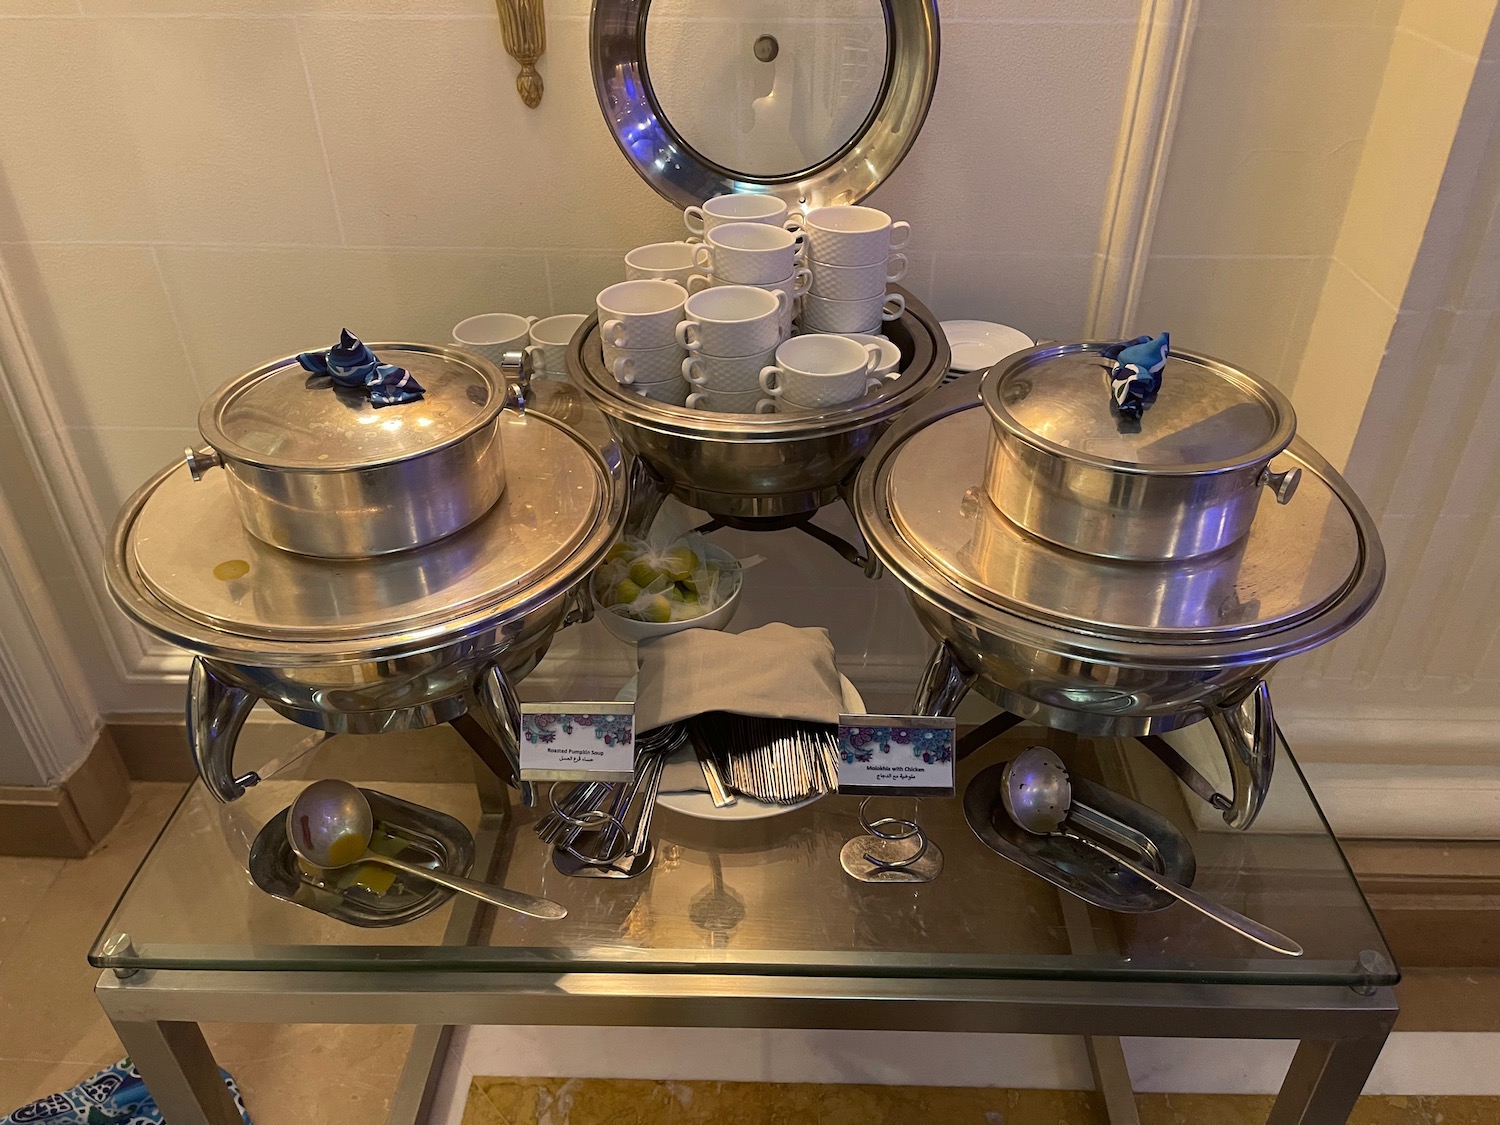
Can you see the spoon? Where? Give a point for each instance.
(1038, 796)
(330, 824)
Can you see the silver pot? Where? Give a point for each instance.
(1182, 481)
(1098, 646)
(765, 466)
(439, 634)
(322, 472)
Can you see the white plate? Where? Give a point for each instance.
(978, 344)
(701, 806)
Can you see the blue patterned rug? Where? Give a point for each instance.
(114, 1096)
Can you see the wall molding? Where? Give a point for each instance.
(1157, 73)
(69, 818)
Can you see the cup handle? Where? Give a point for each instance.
(703, 256)
(801, 281)
(895, 267)
(695, 371)
(693, 400)
(873, 362)
(895, 305)
(900, 234)
(767, 374)
(689, 335)
(530, 320)
(698, 282)
(689, 215)
(872, 382)
(613, 333)
(623, 370)
(782, 300)
(799, 248)
(766, 406)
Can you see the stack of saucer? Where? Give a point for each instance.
(731, 333)
(851, 253)
(638, 325)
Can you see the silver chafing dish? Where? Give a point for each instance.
(1104, 646)
(755, 471)
(440, 633)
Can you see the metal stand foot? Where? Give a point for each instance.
(1324, 1080)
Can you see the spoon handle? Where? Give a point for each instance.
(498, 896)
(1246, 927)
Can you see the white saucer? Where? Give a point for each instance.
(701, 806)
(977, 344)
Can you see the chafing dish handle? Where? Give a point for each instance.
(499, 711)
(519, 366)
(1247, 732)
(944, 684)
(216, 710)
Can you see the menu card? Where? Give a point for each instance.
(896, 754)
(577, 741)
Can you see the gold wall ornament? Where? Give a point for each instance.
(523, 25)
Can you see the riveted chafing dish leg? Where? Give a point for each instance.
(647, 494)
(579, 603)
(868, 561)
(1247, 732)
(944, 684)
(216, 710)
(499, 712)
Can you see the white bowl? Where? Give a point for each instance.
(631, 631)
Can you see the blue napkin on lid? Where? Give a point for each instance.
(351, 364)
(1135, 378)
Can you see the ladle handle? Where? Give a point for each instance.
(498, 896)
(1246, 927)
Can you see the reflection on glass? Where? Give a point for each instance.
(768, 87)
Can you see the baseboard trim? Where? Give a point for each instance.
(69, 819)
(153, 745)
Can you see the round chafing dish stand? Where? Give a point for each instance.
(1102, 646)
(437, 634)
(761, 472)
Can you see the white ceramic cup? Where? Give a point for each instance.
(816, 371)
(674, 392)
(660, 261)
(738, 373)
(730, 402)
(493, 334)
(553, 334)
(644, 365)
(793, 287)
(854, 283)
(852, 236)
(819, 314)
(733, 320)
(890, 354)
(749, 254)
(640, 314)
(736, 207)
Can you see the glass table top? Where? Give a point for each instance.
(766, 896)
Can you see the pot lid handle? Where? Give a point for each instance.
(1135, 378)
(519, 367)
(350, 364)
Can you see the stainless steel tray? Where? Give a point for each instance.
(1118, 822)
(432, 839)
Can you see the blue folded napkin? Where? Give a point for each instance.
(351, 364)
(114, 1096)
(1135, 379)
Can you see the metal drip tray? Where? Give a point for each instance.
(1143, 834)
(431, 839)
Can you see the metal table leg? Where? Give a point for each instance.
(180, 1071)
(1325, 1079)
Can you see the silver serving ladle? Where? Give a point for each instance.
(330, 824)
(1037, 794)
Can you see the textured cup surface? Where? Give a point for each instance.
(733, 320)
(852, 236)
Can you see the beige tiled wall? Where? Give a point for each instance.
(1274, 111)
(191, 187)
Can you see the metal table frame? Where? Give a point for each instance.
(157, 1012)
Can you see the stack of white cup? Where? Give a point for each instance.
(731, 254)
(494, 334)
(851, 253)
(638, 327)
(816, 371)
(731, 333)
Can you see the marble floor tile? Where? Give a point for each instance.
(24, 881)
(47, 1005)
(1449, 1000)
